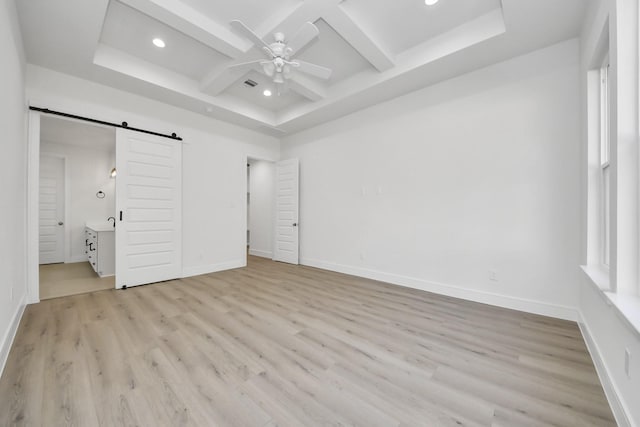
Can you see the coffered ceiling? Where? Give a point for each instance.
(377, 49)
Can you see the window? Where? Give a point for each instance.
(605, 170)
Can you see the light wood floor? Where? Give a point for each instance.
(59, 280)
(273, 344)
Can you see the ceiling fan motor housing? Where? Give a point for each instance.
(279, 65)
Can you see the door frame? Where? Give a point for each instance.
(33, 202)
(32, 251)
(247, 159)
(67, 202)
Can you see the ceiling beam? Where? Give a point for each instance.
(356, 37)
(288, 22)
(177, 89)
(194, 24)
(221, 78)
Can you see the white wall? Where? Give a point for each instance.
(13, 178)
(437, 188)
(88, 172)
(608, 335)
(214, 161)
(261, 186)
(607, 331)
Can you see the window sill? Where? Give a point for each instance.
(627, 306)
(598, 275)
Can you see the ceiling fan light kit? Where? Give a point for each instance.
(280, 65)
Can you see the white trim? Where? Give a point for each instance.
(258, 252)
(245, 209)
(77, 258)
(10, 334)
(514, 303)
(199, 270)
(33, 189)
(610, 390)
(67, 210)
(626, 307)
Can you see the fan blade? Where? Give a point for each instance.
(246, 66)
(249, 34)
(312, 69)
(303, 37)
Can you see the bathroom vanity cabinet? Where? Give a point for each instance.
(100, 247)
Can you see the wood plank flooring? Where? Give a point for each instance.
(279, 345)
(59, 280)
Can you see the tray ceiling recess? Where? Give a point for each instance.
(312, 60)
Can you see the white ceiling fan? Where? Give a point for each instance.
(280, 64)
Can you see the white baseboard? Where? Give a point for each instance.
(212, 268)
(77, 258)
(514, 303)
(263, 254)
(10, 334)
(610, 390)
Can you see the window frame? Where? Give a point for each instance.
(605, 166)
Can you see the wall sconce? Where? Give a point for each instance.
(113, 173)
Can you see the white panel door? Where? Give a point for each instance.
(286, 232)
(51, 210)
(148, 208)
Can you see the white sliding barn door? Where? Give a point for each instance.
(51, 210)
(148, 208)
(286, 232)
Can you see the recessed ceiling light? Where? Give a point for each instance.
(266, 92)
(430, 2)
(159, 42)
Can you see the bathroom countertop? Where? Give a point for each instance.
(100, 225)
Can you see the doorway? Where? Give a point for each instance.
(76, 192)
(260, 207)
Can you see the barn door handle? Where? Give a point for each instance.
(120, 215)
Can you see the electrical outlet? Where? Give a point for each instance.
(627, 362)
(493, 275)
